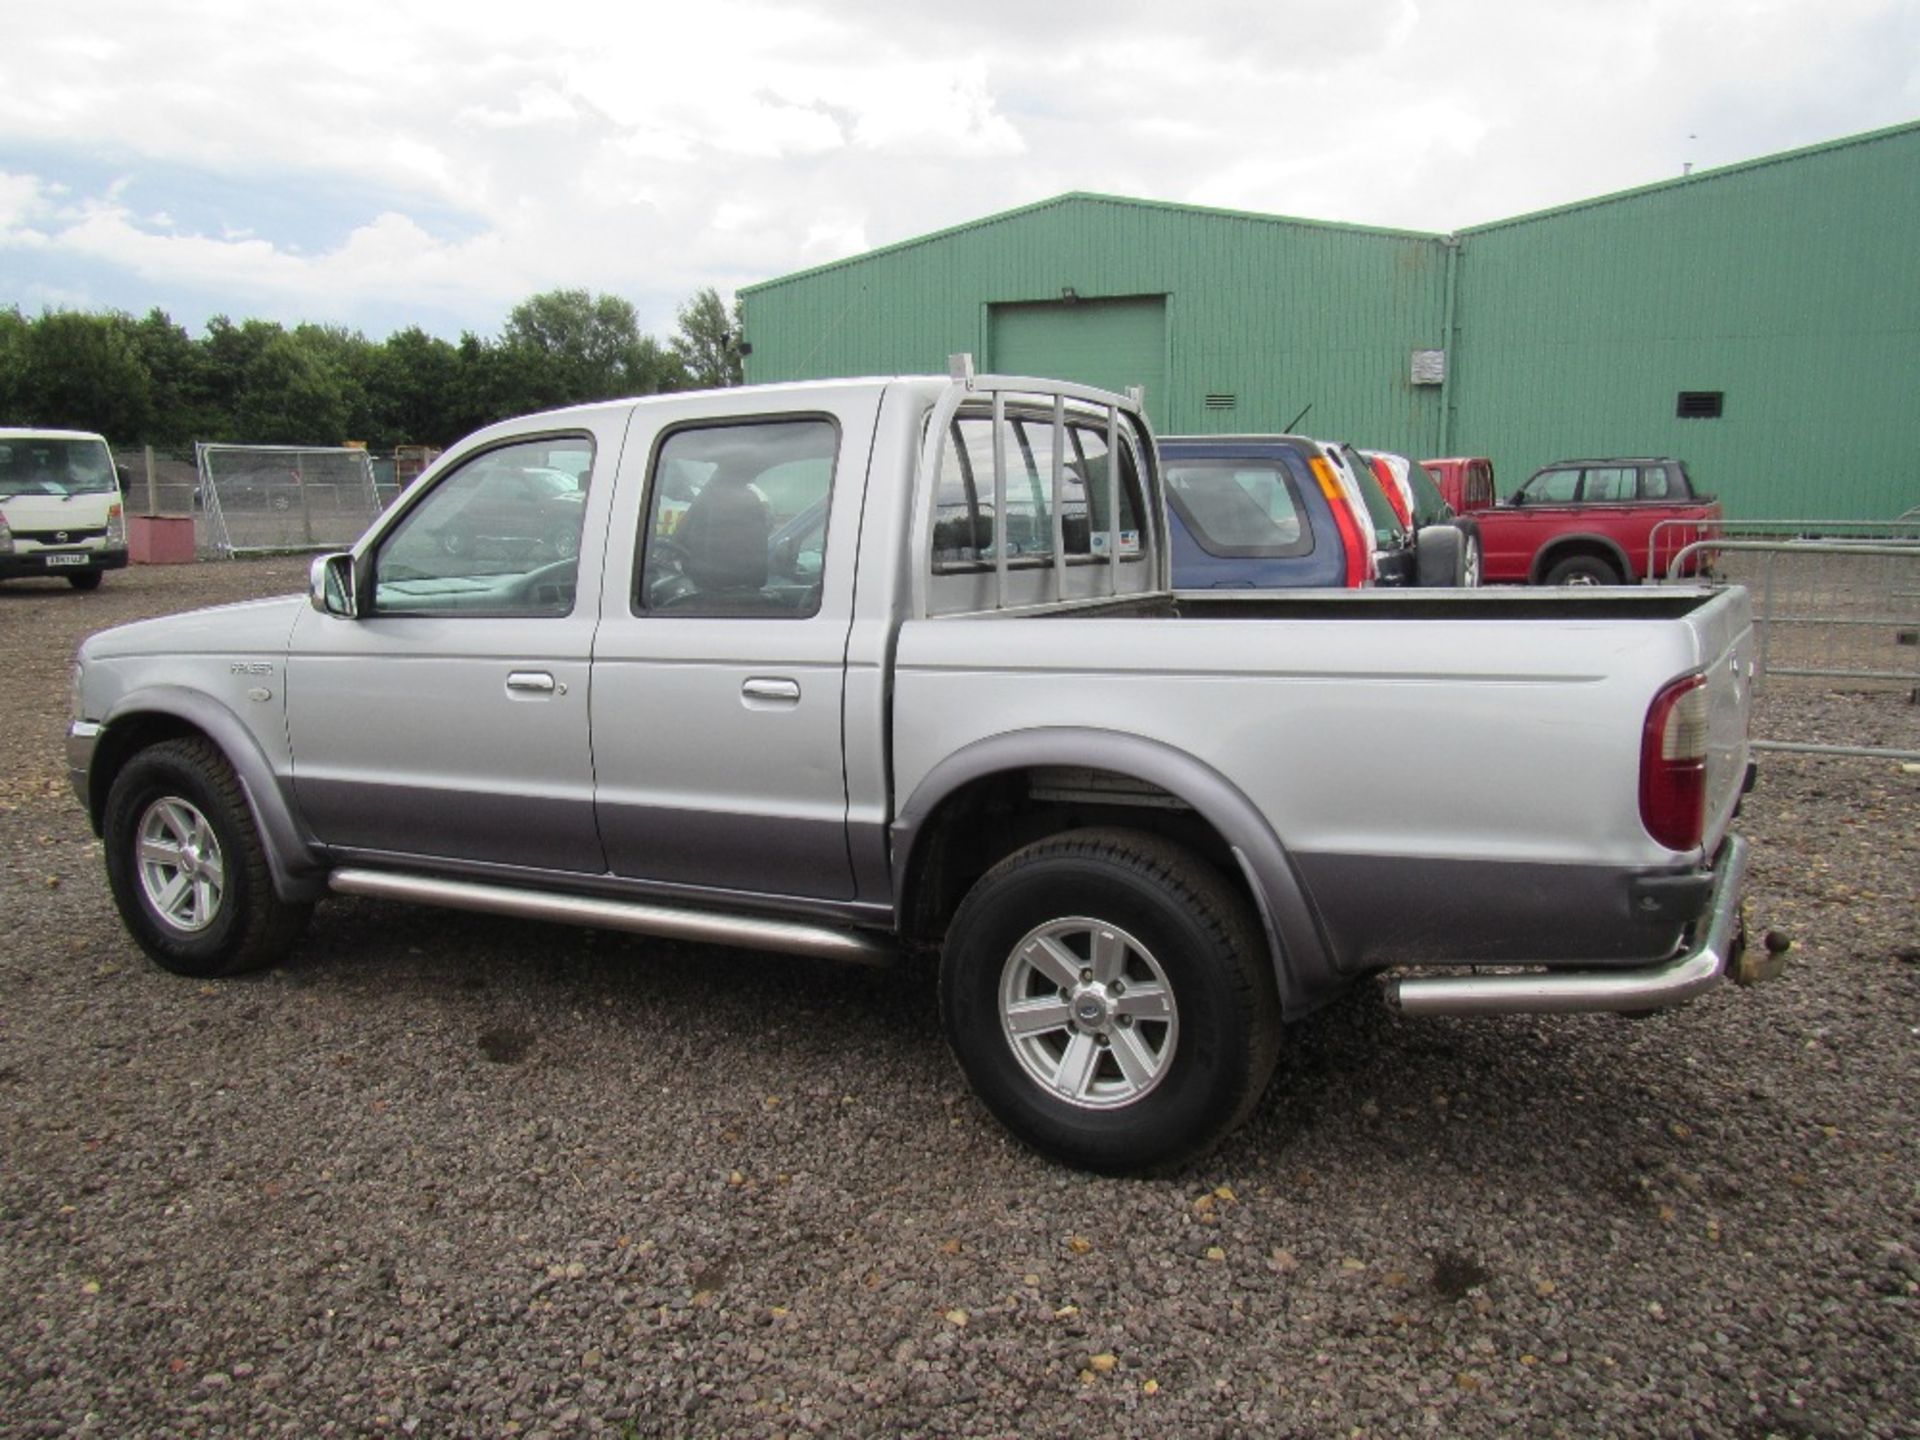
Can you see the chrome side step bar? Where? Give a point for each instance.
(1716, 956)
(750, 932)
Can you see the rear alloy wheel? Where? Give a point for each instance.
(1470, 575)
(186, 866)
(1110, 1000)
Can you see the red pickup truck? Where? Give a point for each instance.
(1580, 522)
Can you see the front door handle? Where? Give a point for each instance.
(769, 688)
(534, 682)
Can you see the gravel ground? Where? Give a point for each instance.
(448, 1175)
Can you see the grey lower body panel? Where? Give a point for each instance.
(1387, 911)
(1717, 952)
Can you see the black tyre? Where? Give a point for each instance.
(1582, 570)
(86, 579)
(1110, 1000)
(186, 866)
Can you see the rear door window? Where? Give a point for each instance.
(1609, 484)
(736, 522)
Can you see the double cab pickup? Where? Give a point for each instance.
(850, 667)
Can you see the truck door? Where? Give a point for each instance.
(449, 720)
(718, 674)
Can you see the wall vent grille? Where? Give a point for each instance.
(1221, 400)
(1700, 404)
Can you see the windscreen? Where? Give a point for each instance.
(52, 466)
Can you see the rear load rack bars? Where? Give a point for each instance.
(965, 386)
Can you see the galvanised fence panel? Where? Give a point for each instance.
(1840, 616)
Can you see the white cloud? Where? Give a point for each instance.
(22, 203)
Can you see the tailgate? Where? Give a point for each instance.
(1724, 627)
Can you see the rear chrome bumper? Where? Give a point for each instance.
(1716, 955)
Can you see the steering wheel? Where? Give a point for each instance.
(547, 589)
(667, 580)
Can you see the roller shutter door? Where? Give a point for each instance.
(1110, 343)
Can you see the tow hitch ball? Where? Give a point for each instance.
(1752, 964)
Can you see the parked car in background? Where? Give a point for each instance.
(1287, 511)
(1255, 512)
(60, 507)
(511, 507)
(1582, 522)
(1465, 481)
(1427, 507)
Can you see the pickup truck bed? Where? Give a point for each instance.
(849, 667)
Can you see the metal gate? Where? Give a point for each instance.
(1840, 615)
(260, 498)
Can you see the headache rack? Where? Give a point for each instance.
(1008, 582)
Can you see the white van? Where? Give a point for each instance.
(60, 507)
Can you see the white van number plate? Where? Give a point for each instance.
(68, 557)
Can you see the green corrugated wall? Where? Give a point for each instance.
(1276, 313)
(1790, 284)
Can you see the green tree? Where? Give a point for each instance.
(568, 346)
(289, 396)
(13, 365)
(708, 345)
(227, 358)
(84, 372)
(415, 388)
(175, 384)
(347, 358)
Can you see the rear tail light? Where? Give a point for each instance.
(1673, 764)
(1359, 549)
(1390, 487)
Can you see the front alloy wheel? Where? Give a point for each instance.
(181, 868)
(186, 865)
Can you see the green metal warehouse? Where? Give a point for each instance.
(1761, 321)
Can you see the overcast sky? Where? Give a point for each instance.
(392, 163)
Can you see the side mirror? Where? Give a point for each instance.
(330, 587)
(1519, 498)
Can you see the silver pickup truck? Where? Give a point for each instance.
(850, 667)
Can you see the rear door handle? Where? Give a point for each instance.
(535, 682)
(770, 688)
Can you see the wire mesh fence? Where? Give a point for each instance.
(279, 497)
